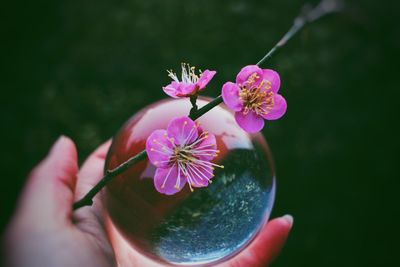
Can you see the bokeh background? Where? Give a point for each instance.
(81, 68)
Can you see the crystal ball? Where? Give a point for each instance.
(207, 226)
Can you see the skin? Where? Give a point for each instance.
(46, 232)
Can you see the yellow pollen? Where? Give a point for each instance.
(252, 79)
(258, 99)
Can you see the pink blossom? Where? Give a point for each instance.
(182, 154)
(190, 83)
(254, 97)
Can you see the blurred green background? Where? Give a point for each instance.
(81, 68)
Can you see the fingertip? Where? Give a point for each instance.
(64, 145)
(267, 245)
(64, 158)
(288, 219)
(101, 151)
(273, 237)
(278, 229)
(50, 187)
(60, 161)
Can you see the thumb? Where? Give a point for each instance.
(48, 194)
(266, 246)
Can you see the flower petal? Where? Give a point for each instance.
(273, 77)
(246, 72)
(279, 108)
(186, 89)
(166, 180)
(159, 148)
(206, 149)
(205, 78)
(230, 95)
(183, 130)
(200, 174)
(250, 122)
(180, 89)
(172, 89)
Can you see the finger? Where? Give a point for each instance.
(48, 194)
(92, 170)
(90, 219)
(266, 246)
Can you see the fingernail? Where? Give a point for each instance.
(289, 219)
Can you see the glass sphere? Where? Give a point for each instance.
(206, 226)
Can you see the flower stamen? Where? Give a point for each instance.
(258, 99)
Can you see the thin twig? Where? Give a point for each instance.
(87, 200)
(308, 15)
(206, 108)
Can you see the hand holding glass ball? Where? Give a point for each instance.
(44, 232)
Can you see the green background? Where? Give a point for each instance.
(81, 68)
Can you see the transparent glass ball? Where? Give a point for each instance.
(203, 227)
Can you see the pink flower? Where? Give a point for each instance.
(182, 154)
(254, 97)
(190, 83)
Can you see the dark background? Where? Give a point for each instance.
(81, 68)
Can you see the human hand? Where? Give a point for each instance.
(46, 232)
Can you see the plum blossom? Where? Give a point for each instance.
(190, 83)
(254, 97)
(182, 154)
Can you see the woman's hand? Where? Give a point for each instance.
(46, 232)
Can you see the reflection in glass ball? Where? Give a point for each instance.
(206, 226)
